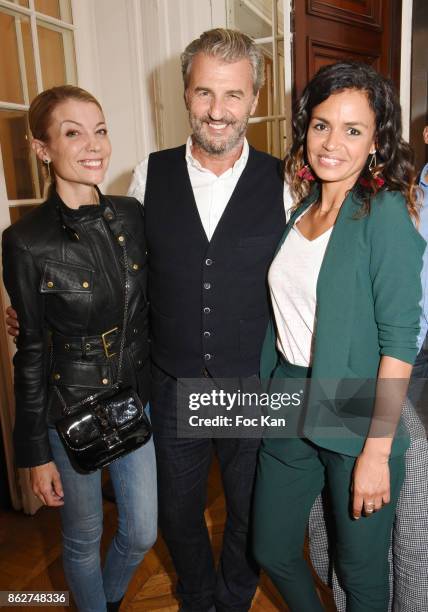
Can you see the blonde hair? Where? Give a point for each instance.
(228, 46)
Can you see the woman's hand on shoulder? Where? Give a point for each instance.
(46, 484)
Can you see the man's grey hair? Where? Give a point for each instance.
(228, 46)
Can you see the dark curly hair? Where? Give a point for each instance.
(394, 156)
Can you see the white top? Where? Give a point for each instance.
(293, 278)
(212, 192)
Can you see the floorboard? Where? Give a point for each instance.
(30, 559)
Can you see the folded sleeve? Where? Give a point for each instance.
(395, 267)
(22, 279)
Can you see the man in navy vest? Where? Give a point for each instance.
(214, 213)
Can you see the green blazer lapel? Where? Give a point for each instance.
(335, 293)
(269, 354)
(334, 329)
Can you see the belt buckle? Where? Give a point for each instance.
(107, 344)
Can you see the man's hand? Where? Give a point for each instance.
(12, 322)
(46, 484)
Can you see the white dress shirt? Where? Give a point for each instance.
(211, 192)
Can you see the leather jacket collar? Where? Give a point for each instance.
(69, 218)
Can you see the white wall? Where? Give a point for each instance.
(128, 55)
(179, 23)
(107, 57)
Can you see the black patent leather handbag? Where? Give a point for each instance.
(106, 426)
(104, 429)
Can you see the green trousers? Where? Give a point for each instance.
(290, 475)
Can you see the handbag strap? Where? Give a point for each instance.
(117, 231)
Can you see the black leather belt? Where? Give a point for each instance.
(106, 343)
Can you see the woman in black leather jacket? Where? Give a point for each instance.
(63, 269)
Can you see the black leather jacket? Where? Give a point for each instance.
(64, 272)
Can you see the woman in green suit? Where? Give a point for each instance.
(345, 289)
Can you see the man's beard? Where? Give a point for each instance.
(217, 146)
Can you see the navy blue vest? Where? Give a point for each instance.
(209, 299)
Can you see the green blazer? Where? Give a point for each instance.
(368, 295)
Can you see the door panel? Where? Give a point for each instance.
(366, 13)
(322, 53)
(327, 31)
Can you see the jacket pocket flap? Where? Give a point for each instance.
(81, 374)
(64, 277)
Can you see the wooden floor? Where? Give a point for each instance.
(30, 559)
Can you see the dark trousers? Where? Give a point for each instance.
(183, 468)
(291, 474)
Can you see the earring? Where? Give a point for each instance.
(305, 173)
(47, 162)
(378, 180)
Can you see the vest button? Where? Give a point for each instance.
(207, 334)
(207, 285)
(207, 356)
(207, 310)
(209, 262)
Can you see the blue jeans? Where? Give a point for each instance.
(134, 481)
